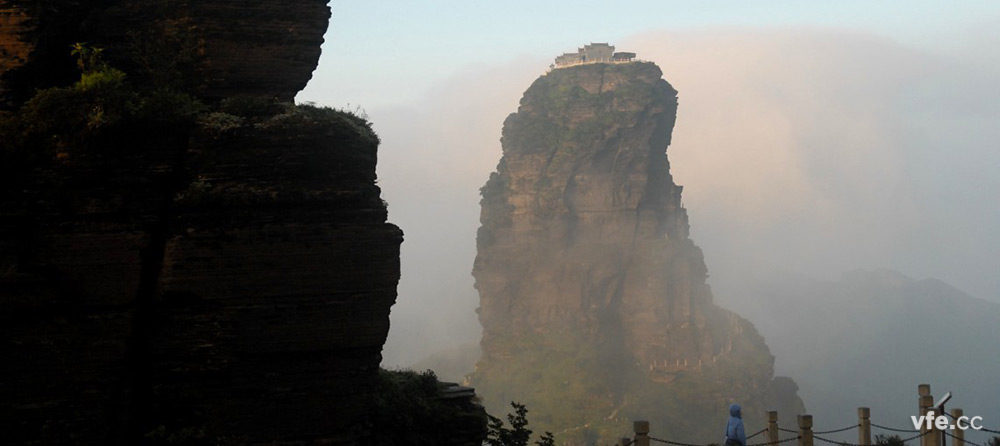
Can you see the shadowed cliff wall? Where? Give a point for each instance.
(208, 277)
(220, 48)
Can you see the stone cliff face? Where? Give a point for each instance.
(245, 47)
(594, 303)
(219, 279)
(14, 51)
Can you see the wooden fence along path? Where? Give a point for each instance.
(805, 436)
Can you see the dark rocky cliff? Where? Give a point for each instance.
(179, 273)
(226, 47)
(594, 303)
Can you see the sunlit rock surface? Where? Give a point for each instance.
(593, 300)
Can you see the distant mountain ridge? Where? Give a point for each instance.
(869, 338)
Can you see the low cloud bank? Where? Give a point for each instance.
(813, 151)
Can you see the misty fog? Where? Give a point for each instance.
(805, 151)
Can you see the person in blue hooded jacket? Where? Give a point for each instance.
(735, 435)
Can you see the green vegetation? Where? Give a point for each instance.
(100, 103)
(518, 434)
(559, 114)
(309, 114)
(536, 135)
(108, 122)
(238, 129)
(255, 112)
(88, 58)
(583, 392)
(494, 185)
(565, 383)
(102, 120)
(409, 410)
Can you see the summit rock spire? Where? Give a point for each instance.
(593, 298)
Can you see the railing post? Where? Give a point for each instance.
(805, 430)
(927, 407)
(772, 426)
(922, 391)
(959, 439)
(864, 426)
(641, 429)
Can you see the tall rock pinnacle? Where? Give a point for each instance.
(593, 300)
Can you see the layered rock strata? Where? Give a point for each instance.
(189, 278)
(593, 299)
(230, 48)
(250, 304)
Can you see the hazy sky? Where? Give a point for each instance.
(813, 137)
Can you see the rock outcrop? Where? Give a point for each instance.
(179, 273)
(14, 50)
(226, 47)
(593, 299)
(250, 305)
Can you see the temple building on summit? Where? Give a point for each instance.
(593, 53)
